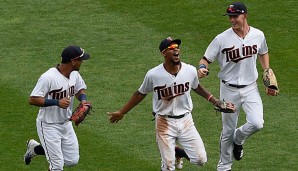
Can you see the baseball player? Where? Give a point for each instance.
(171, 83)
(237, 50)
(54, 93)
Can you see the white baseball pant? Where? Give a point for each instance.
(247, 98)
(171, 130)
(60, 144)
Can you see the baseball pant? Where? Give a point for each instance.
(247, 98)
(171, 130)
(60, 144)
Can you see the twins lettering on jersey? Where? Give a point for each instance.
(169, 93)
(234, 55)
(59, 94)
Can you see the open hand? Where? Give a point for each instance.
(114, 117)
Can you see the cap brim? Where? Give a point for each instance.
(165, 44)
(231, 14)
(85, 57)
(178, 41)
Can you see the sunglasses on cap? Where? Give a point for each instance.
(78, 58)
(171, 47)
(232, 9)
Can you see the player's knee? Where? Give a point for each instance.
(257, 126)
(72, 162)
(200, 161)
(228, 132)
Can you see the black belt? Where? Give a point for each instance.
(175, 117)
(233, 85)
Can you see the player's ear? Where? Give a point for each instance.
(245, 16)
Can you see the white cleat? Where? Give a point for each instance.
(28, 156)
(178, 163)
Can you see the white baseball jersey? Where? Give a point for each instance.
(237, 56)
(237, 59)
(171, 94)
(53, 85)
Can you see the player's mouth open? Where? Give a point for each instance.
(176, 54)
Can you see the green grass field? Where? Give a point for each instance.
(123, 38)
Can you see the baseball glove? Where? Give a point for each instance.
(81, 112)
(225, 107)
(270, 82)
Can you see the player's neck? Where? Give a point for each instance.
(243, 31)
(172, 69)
(64, 69)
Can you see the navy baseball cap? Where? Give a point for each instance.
(73, 52)
(165, 43)
(236, 8)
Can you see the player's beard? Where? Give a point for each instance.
(175, 62)
(77, 67)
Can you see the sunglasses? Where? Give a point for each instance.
(78, 58)
(172, 47)
(232, 9)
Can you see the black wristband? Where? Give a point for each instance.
(51, 102)
(82, 97)
(202, 66)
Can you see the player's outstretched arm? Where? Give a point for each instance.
(202, 91)
(219, 105)
(135, 99)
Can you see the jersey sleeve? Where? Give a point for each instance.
(264, 48)
(147, 85)
(195, 83)
(80, 83)
(212, 51)
(41, 88)
(194, 73)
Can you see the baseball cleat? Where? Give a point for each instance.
(178, 163)
(238, 151)
(28, 156)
